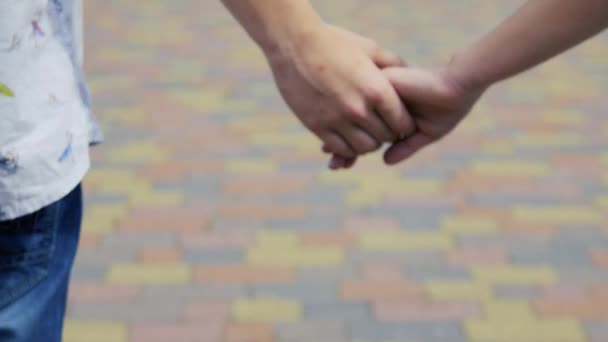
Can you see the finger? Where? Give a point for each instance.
(384, 58)
(359, 140)
(374, 124)
(387, 103)
(350, 162)
(404, 149)
(410, 83)
(334, 143)
(337, 162)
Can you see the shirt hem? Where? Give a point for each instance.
(51, 194)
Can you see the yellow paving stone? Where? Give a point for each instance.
(401, 240)
(373, 189)
(153, 198)
(124, 115)
(566, 117)
(514, 275)
(458, 290)
(103, 175)
(414, 186)
(102, 218)
(302, 141)
(205, 100)
(116, 181)
(295, 256)
(468, 224)
(259, 125)
(549, 139)
(100, 84)
(266, 310)
(497, 148)
(279, 239)
(361, 174)
(364, 196)
(94, 331)
(562, 330)
(139, 152)
(510, 168)
(149, 273)
(251, 166)
(558, 214)
(497, 309)
(602, 201)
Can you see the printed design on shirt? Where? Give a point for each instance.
(67, 151)
(6, 91)
(37, 30)
(9, 163)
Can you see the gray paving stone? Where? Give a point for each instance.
(336, 311)
(597, 331)
(406, 258)
(88, 272)
(326, 330)
(306, 291)
(518, 292)
(137, 240)
(196, 292)
(422, 272)
(424, 331)
(213, 257)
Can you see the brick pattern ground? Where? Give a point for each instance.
(211, 217)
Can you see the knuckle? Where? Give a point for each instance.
(374, 93)
(354, 111)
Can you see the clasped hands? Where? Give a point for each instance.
(357, 97)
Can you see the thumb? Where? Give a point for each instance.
(411, 83)
(384, 58)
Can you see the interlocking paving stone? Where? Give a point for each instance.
(210, 215)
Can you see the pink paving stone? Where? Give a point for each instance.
(102, 293)
(208, 311)
(382, 272)
(218, 240)
(476, 256)
(363, 224)
(88, 240)
(156, 255)
(426, 201)
(165, 219)
(565, 291)
(424, 311)
(208, 331)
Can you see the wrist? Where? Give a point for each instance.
(461, 73)
(288, 37)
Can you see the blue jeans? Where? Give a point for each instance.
(36, 256)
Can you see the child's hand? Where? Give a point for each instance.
(437, 104)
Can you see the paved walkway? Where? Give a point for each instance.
(211, 217)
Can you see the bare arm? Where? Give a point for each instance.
(329, 77)
(540, 30)
(440, 99)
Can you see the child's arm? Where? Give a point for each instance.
(440, 99)
(330, 77)
(540, 30)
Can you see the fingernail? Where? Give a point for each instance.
(334, 164)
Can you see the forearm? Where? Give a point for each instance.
(275, 24)
(540, 30)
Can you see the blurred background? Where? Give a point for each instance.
(211, 216)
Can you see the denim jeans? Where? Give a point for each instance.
(36, 256)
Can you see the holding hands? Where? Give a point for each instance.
(356, 96)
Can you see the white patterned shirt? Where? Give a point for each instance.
(45, 121)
